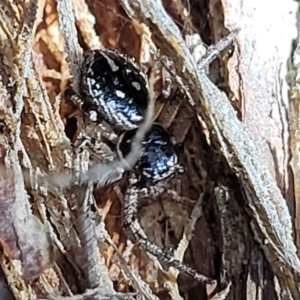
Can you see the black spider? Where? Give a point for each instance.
(113, 88)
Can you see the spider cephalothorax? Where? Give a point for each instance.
(158, 161)
(112, 87)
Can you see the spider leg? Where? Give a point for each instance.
(105, 129)
(104, 169)
(96, 147)
(135, 232)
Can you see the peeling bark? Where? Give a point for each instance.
(233, 215)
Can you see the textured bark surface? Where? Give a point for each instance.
(234, 213)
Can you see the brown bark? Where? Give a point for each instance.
(236, 218)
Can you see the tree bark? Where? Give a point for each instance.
(234, 213)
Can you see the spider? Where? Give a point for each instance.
(114, 89)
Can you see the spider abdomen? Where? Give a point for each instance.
(113, 88)
(158, 161)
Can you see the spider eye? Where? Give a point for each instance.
(113, 86)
